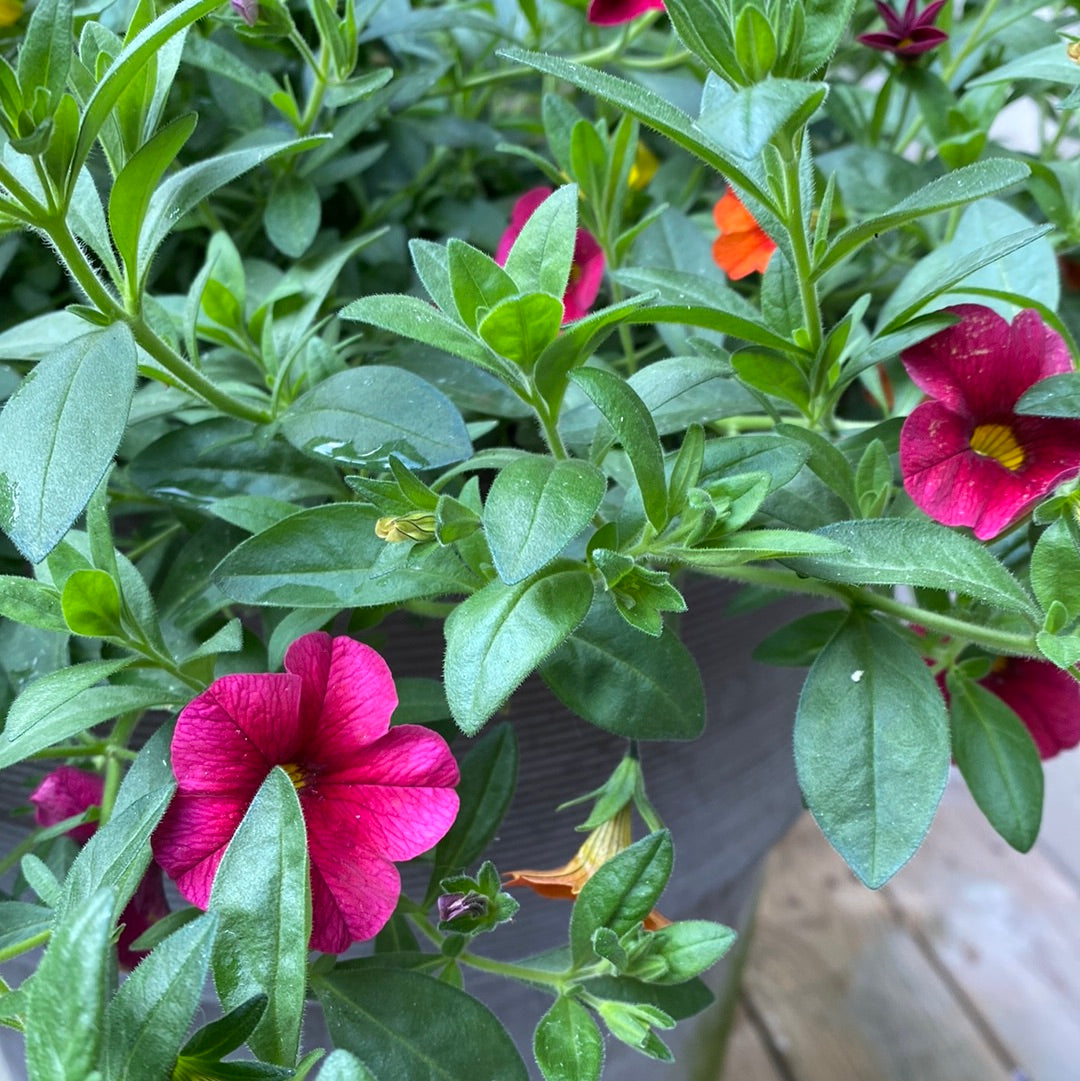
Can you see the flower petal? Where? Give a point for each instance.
(65, 792)
(346, 700)
(1045, 698)
(353, 892)
(587, 275)
(396, 799)
(522, 210)
(228, 738)
(613, 12)
(146, 907)
(192, 837)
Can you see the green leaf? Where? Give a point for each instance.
(91, 604)
(620, 893)
(567, 1044)
(477, 282)
(148, 1018)
(292, 215)
(626, 682)
(496, 637)
(871, 747)
(58, 434)
(20, 923)
(261, 894)
(635, 431)
(742, 122)
(340, 1065)
(999, 760)
(364, 415)
(329, 557)
(751, 544)
(1055, 568)
(535, 507)
(66, 998)
(888, 551)
(117, 855)
(127, 66)
(797, 644)
(521, 327)
(1055, 396)
(409, 1027)
(649, 107)
(131, 192)
(413, 318)
(488, 780)
(225, 1034)
(680, 391)
(35, 604)
(543, 252)
(45, 56)
(186, 188)
(826, 21)
(958, 188)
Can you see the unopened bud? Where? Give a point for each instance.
(248, 10)
(1072, 51)
(453, 905)
(406, 527)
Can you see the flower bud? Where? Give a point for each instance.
(453, 905)
(419, 526)
(248, 10)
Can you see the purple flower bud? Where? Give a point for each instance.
(453, 905)
(248, 10)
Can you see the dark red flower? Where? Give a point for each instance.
(370, 794)
(908, 35)
(613, 12)
(587, 271)
(68, 791)
(966, 456)
(1043, 696)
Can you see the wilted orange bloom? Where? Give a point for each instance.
(564, 883)
(742, 246)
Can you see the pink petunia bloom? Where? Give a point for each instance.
(68, 791)
(908, 35)
(1043, 696)
(966, 457)
(613, 12)
(370, 794)
(587, 271)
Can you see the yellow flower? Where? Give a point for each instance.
(10, 10)
(564, 883)
(644, 167)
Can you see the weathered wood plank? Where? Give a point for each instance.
(1006, 926)
(843, 989)
(1059, 837)
(747, 1059)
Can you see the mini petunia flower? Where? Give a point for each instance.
(613, 12)
(908, 35)
(565, 883)
(370, 794)
(67, 792)
(587, 271)
(10, 10)
(644, 168)
(248, 10)
(966, 457)
(742, 246)
(1043, 696)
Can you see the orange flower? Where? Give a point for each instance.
(564, 883)
(742, 246)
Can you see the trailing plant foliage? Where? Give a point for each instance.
(511, 316)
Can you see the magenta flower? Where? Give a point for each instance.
(1046, 699)
(587, 271)
(370, 794)
(966, 457)
(613, 12)
(68, 791)
(908, 35)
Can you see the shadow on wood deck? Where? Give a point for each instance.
(966, 967)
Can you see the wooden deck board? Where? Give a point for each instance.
(966, 966)
(843, 989)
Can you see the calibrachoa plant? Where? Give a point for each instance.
(330, 325)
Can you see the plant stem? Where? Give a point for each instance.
(534, 976)
(95, 290)
(801, 250)
(998, 641)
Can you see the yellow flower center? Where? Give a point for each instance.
(998, 442)
(296, 774)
